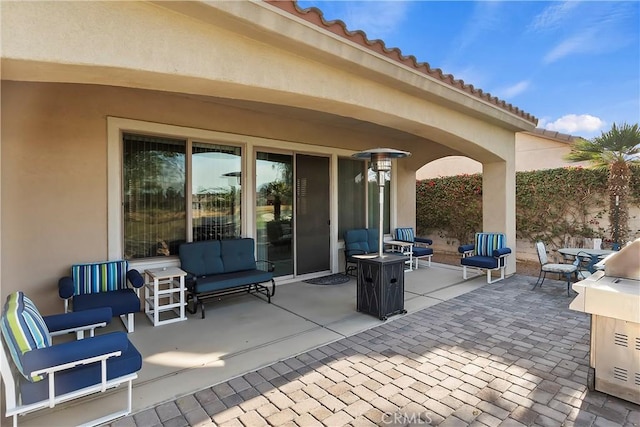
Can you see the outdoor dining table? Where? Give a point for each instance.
(593, 255)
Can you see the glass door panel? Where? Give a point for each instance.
(274, 210)
(313, 247)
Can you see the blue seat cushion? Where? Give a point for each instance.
(86, 375)
(480, 261)
(122, 301)
(223, 281)
(419, 251)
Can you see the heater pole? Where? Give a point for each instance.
(381, 207)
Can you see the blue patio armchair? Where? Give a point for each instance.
(421, 245)
(489, 252)
(103, 284)
(38, 374)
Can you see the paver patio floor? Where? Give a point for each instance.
(500, 355)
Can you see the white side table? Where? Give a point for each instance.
(164, 295)
(404, 248)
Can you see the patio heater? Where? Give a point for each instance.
(380, 159)
(380, 287)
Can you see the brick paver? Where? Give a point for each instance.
(502, 355)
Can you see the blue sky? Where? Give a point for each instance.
(575, 65)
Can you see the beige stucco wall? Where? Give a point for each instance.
(54, 169)
(533, 152)
(239, 67)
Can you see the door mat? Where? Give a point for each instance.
(332, 279)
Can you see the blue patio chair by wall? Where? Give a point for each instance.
(103, 284)
(489, 252)
(420, 248)
(560, 268)
(38, 374)
(359, 241)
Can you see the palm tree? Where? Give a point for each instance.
(617, 150)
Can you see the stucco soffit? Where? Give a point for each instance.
(306, 33)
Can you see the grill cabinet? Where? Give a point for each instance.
(612, 297)
(380, 288)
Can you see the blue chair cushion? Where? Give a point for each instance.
(419, 251)
(200, 258)
(99, 277)
(373, 238)
(230, 280)
(501, 251)
(122, 301)
(405, 234)
(486, 243)
(356, 241)
(24, 330)
(238, 255)
(480, 262)
(128, 362)
(75, 319)
(465, 248)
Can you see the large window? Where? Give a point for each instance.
(351, 195)
(156, 211)
(358, 194)
(374, 204)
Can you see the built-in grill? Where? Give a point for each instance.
(612, 297)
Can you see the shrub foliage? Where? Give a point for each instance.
(551, 205)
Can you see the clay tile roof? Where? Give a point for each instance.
(554, 135)
(338, 27)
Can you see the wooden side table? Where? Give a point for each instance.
(164, 295)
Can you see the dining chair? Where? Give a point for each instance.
(547, 267)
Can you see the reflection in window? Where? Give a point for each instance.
(155, 207)
(216, 191)
(274, 210)
(154, 198)
(374, 206)
(351, 195)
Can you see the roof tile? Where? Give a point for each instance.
(338, 27)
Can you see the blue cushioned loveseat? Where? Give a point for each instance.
(221, 267)
(489, 252)
(359, 241)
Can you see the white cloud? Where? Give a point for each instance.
(574, 124)
(377, 19)
(514, 90)
(553, 16)
(579, 43)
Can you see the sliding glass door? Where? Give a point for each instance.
(313, 247)
(274, 210)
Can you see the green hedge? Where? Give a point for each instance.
(550, 204)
